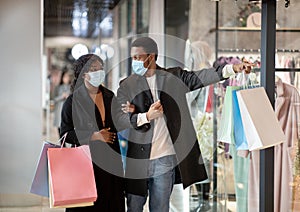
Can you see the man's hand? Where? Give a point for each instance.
(155, 111)
(244, 66)
(128, 108)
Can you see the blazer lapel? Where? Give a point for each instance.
(107, 105)
(160, 78)
(84, 101)
(143, 85)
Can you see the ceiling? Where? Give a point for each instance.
(76, 18)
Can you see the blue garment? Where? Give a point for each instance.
(160, 185)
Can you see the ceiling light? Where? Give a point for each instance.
(79, 50)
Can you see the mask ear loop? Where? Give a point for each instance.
(146, 60)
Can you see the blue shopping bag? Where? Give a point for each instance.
(238, 128)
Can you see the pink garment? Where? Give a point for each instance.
(297, 81)
(286, 188)
(253, 181)
(287, 108)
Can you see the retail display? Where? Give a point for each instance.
(286, 156)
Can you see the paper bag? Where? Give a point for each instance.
(71, 177)
(40, 184)
(225, 128)
(238, 132)
(261, 125)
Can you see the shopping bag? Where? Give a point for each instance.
(225, 128)
(238, 128)
(261, 126)
(40, 184)
(71, 177)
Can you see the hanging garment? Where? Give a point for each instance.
(253, 180)
(297, 81)
(241, 182)
(286, 198)
(287, 108)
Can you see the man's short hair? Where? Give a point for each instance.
(148, 44)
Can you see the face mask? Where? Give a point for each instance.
(96, 78)
(138, 67)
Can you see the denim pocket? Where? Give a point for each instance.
(167, 161)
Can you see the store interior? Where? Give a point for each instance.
(191, 34)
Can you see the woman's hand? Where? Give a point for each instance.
(104, 135)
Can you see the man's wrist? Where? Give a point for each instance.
(228, 71)
(142, 119)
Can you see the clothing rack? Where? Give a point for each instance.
(258, 50)
(280, 69)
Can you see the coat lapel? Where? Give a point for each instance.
(84, 101)
(160, 78)
(143, 85)
(107, 105)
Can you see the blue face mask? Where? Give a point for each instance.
(138, 67)
(96, 77)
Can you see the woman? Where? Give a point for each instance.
(61, 92)
(86, 118)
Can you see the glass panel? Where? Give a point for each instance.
(132, 16)
(123, 19)
(143, 9)
(235, 185)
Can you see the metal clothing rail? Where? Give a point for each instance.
(280, 69)
(258, 50)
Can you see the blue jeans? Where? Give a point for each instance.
(160, 184)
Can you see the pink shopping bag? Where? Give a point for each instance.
(71, 177)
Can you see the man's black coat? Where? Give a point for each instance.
(172, 85)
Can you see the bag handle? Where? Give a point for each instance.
(242, 80)
(63, 138)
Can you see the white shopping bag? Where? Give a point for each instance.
(261, 125)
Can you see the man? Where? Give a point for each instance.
(162, 143)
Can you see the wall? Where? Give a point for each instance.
(21, 97)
